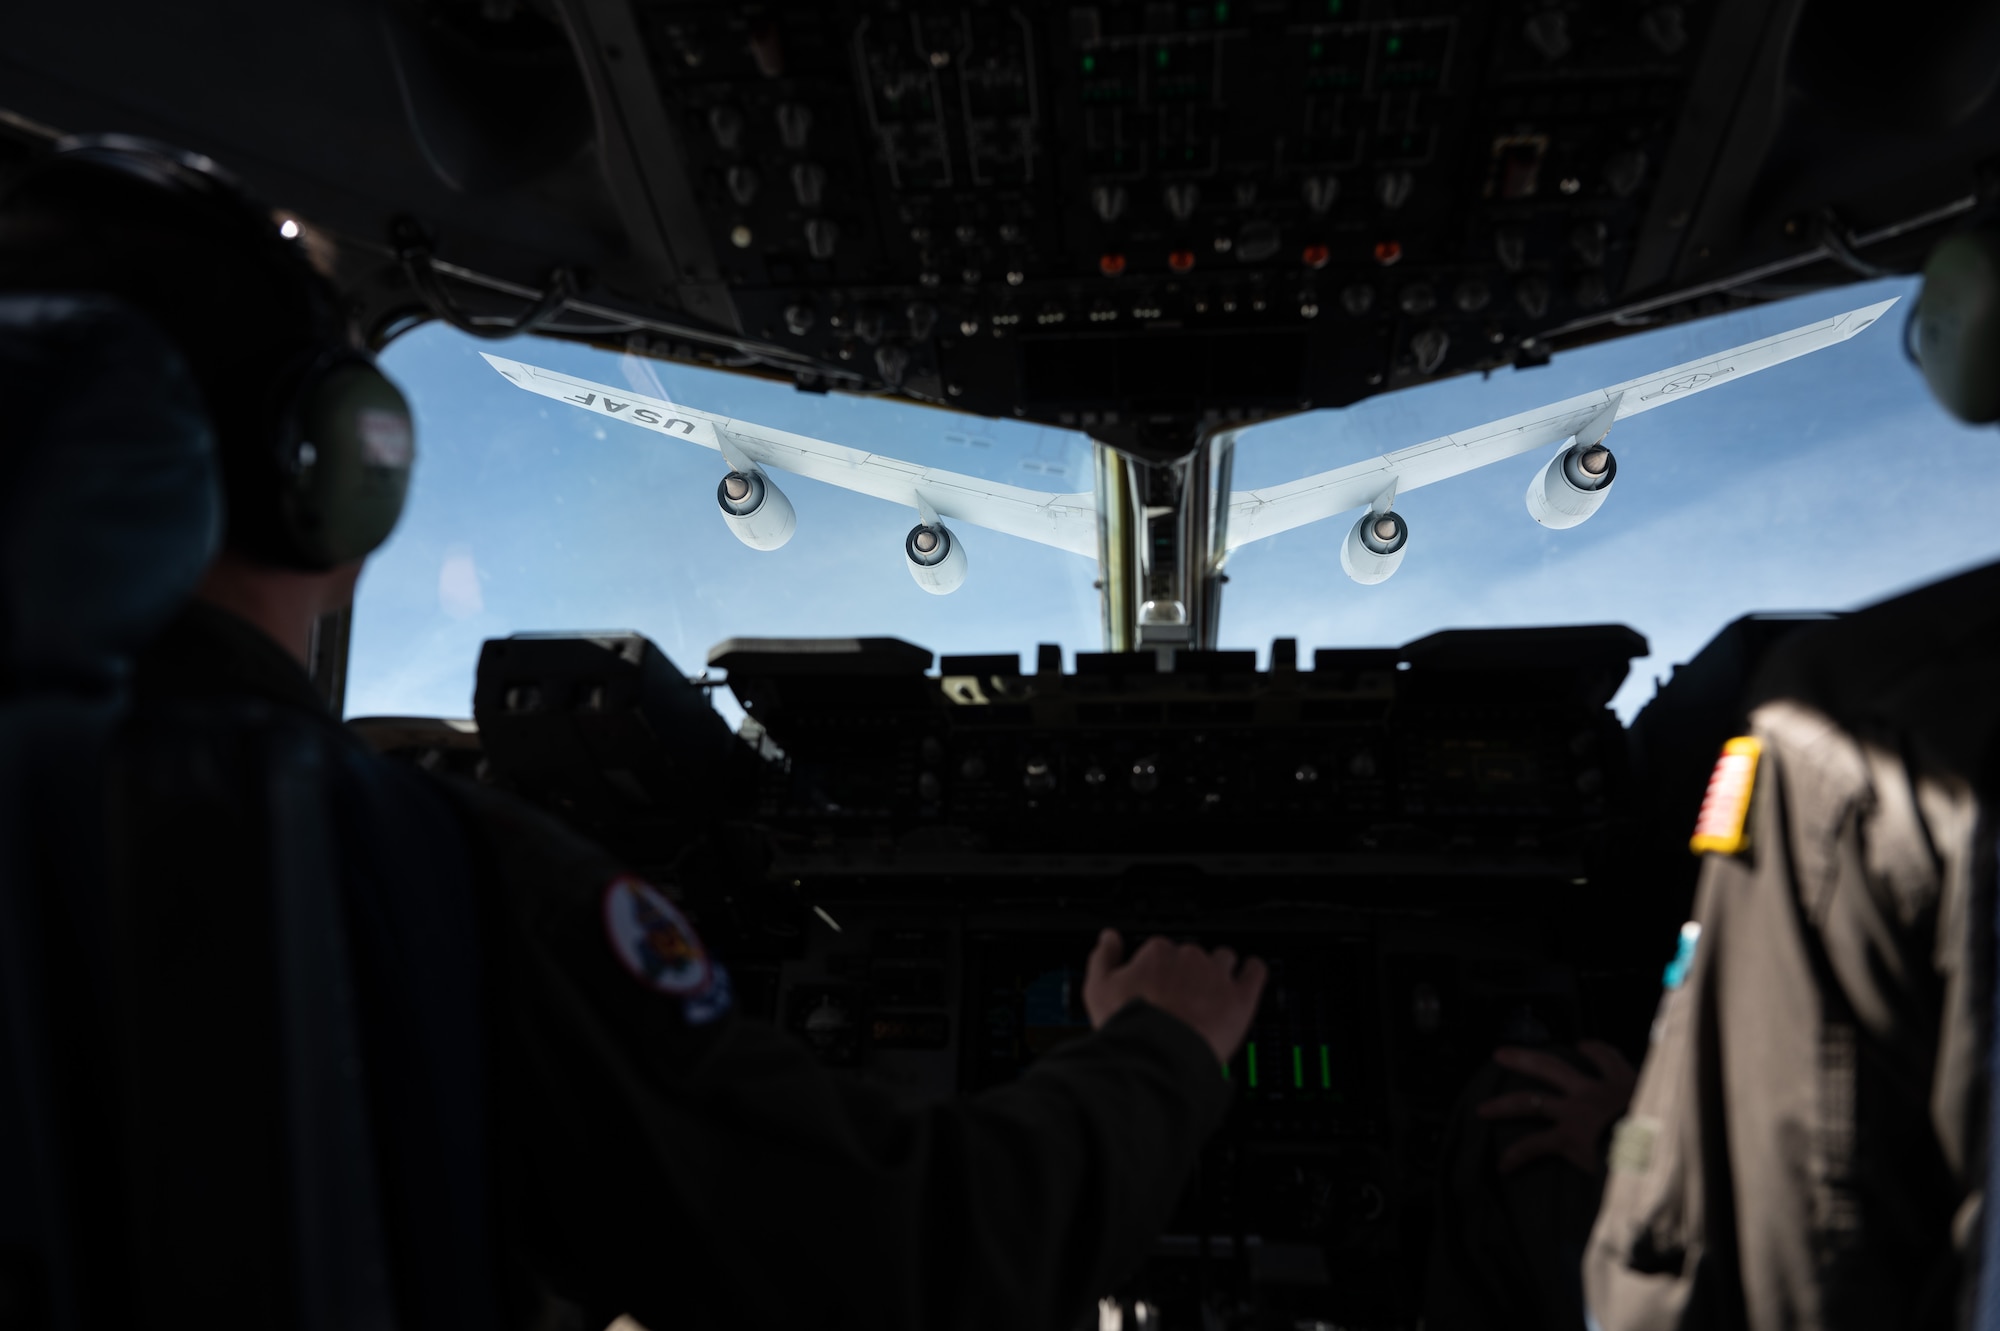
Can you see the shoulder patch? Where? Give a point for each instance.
(1723, 824)
(653, 940)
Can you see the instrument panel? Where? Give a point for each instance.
(905, 861)
(1317, 1198)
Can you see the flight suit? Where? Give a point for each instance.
(1806, 1144)
(646, 1151)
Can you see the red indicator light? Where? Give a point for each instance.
(1181, 261)
(1316, 256)
(1388, 252)
(1111, 264)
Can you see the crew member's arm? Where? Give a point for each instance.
(1796, 1152)
(692, 1169)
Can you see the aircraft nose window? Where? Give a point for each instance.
(587, 503)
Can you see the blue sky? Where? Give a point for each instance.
(1822, 484)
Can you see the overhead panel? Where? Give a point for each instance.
(1105, 215)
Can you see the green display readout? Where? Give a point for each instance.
(1301, 1065)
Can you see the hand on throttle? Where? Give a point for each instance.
(1578, 1107)
(1207, 990)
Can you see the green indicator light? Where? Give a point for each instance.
(1395, 46)
(1325, 1070)
(1318, 50)
(1298, 1067)
(1160, 57)
(1225, 1073)
(1251, 1048)
(1090, 64)
(1333, 7)
(1222, 11)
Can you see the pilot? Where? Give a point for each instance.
(566, 1107)
(1807, 1142)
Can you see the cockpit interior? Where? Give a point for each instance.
(1101, 250)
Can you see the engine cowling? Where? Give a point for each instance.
(756, 510)
(1374, 546)
(936, 558)
(1572, 486)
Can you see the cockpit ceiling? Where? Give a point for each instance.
(1140, 219)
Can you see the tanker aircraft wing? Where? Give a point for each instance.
(1065, 521)
(1585, 418)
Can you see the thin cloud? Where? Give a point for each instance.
(459, 596)
(644, 378)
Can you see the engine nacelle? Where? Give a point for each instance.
(1374, 546)
(936, 558)
(756, 510)
(1572, 486)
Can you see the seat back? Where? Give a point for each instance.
(109, 510)
(251, 1178)
(183, 1127)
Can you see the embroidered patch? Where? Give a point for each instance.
(1677, 969)
(653, 939)
(712, 1003)
(1723, 824)
(1632, 1145)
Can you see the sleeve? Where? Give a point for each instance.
(1648, 1265)
(663, 1159)
(1790, 1157)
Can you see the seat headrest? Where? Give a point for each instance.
(110, 499)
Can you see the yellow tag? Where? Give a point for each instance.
(1723, 824)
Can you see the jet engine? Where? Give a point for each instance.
(756, 510)
(1572, 486)
(1374, 546)
(936, 558)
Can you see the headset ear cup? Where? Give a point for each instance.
(1956, 325)
(352, 446)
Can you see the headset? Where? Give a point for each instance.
(329, 473)
(1954, 331)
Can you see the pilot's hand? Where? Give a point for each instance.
(1578, 1107)
(1207, 990)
